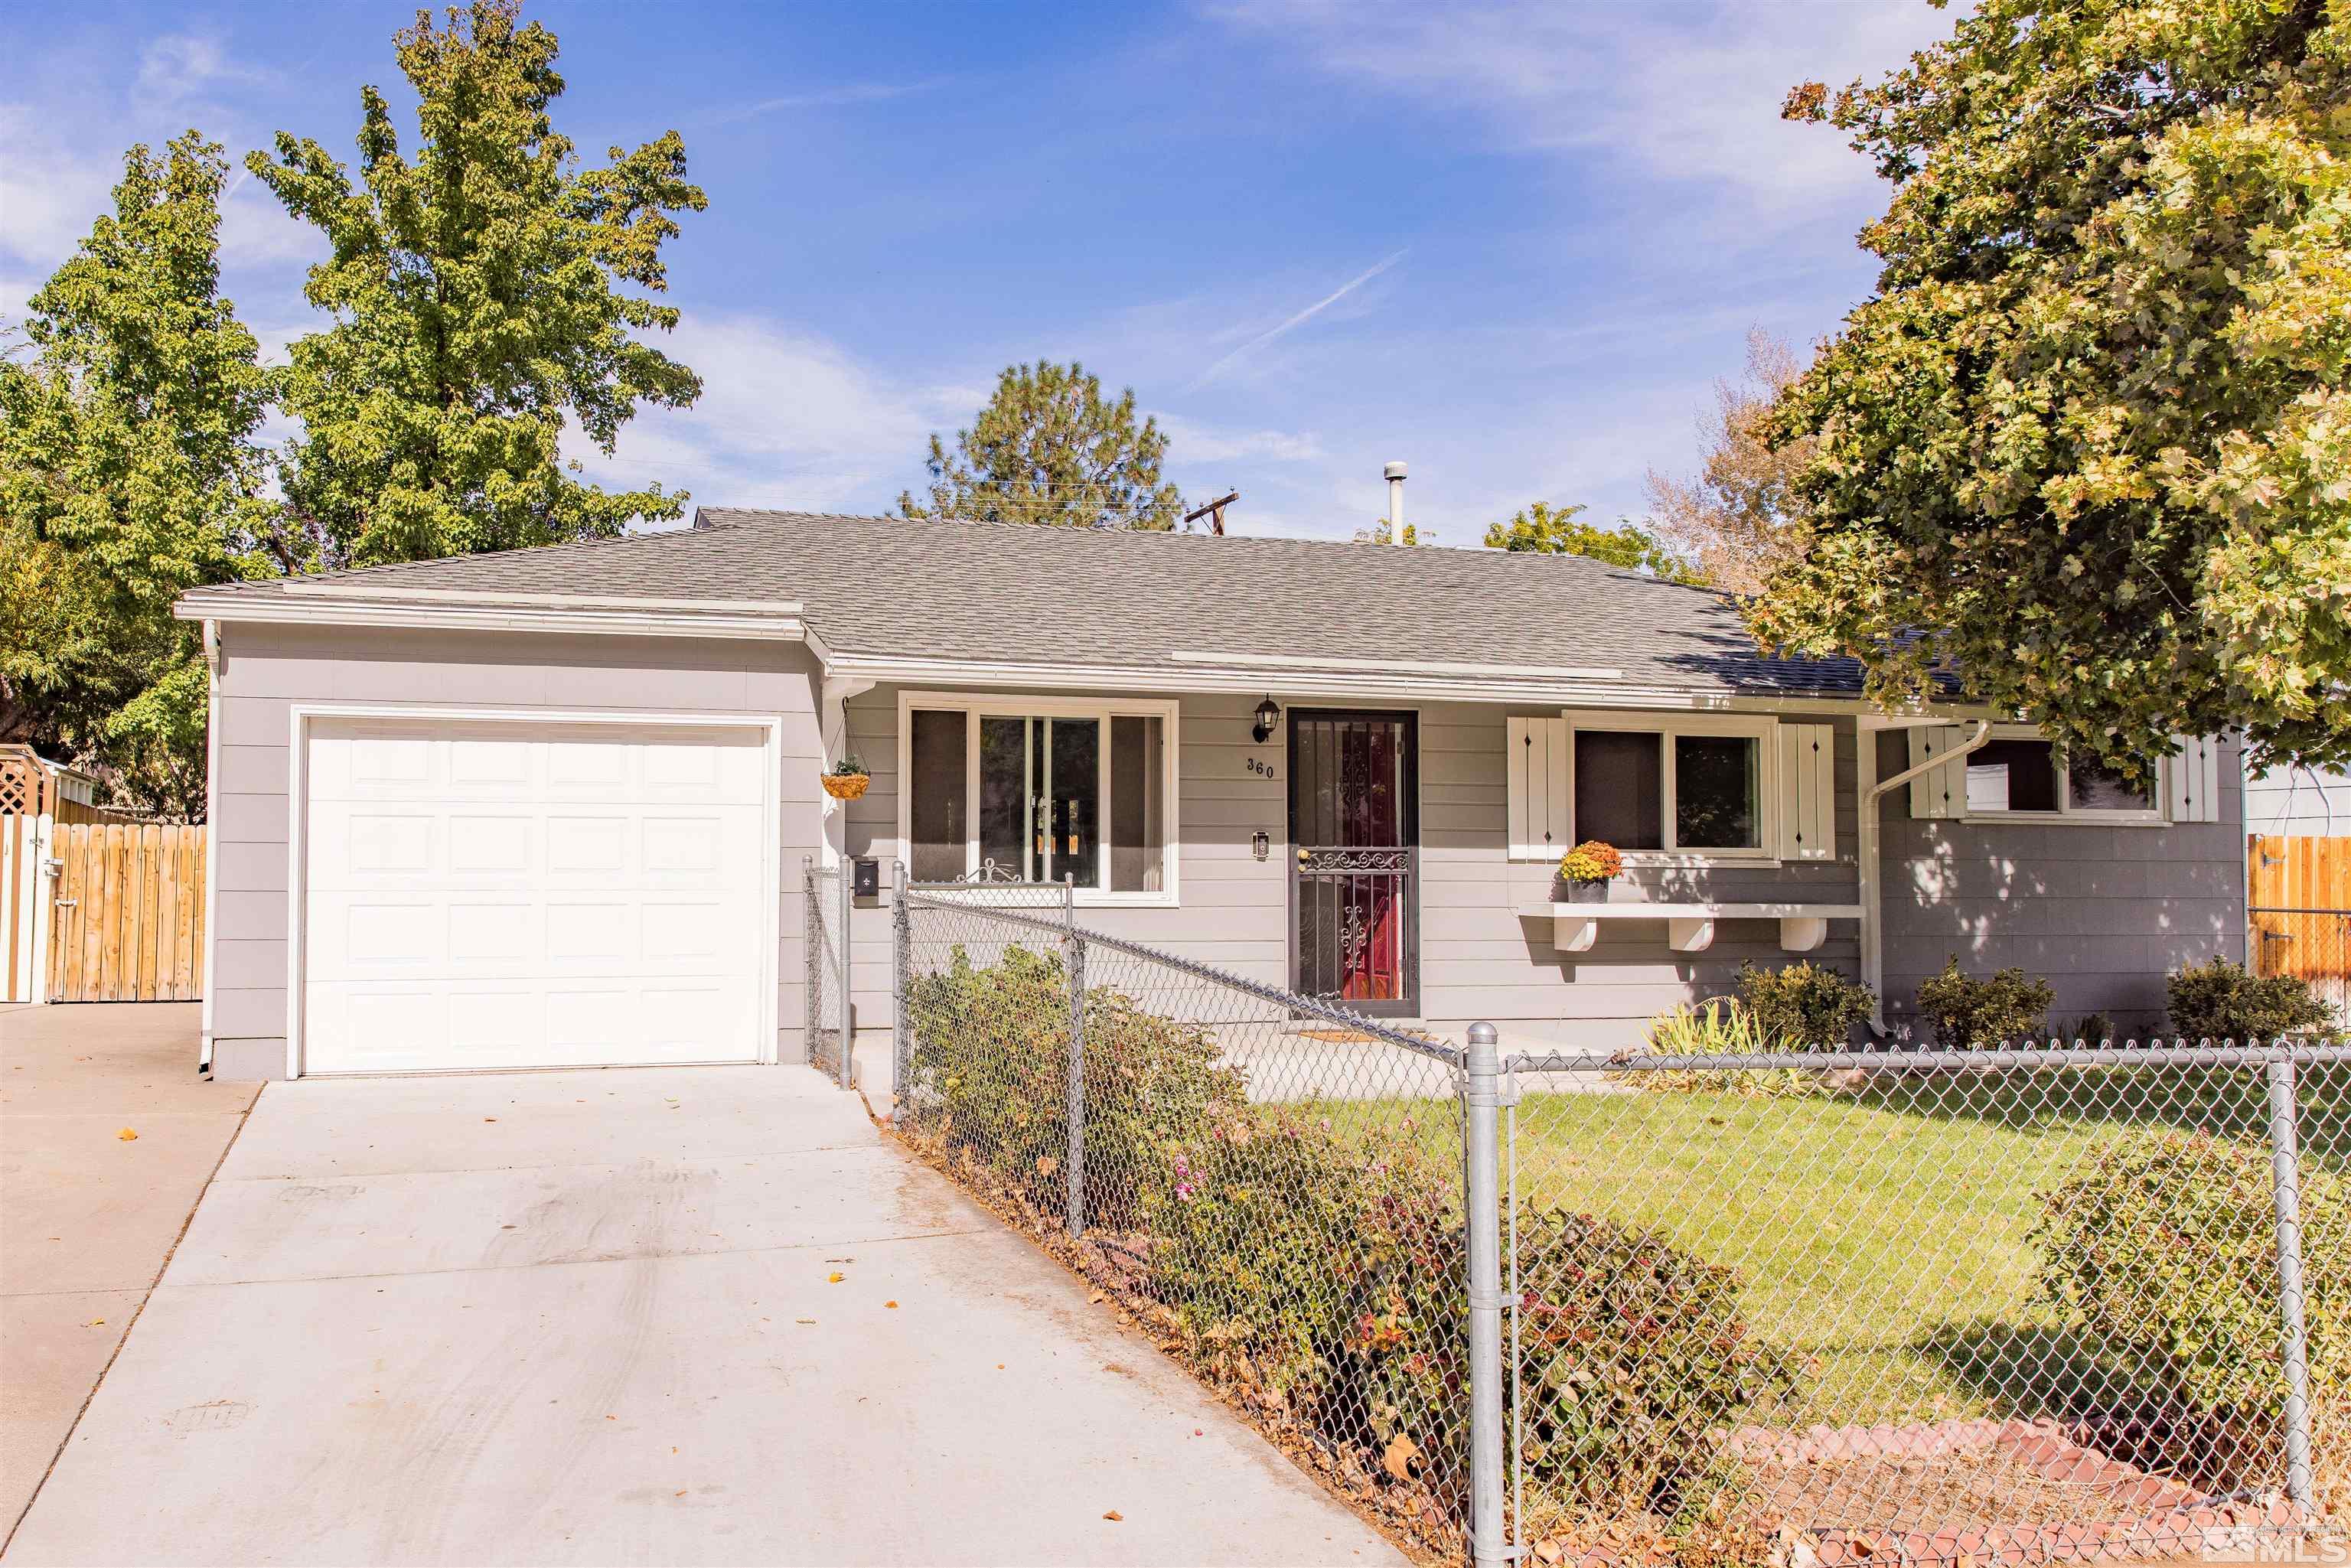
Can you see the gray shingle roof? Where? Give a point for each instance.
(1026, 594)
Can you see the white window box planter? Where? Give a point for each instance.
(1689, 928)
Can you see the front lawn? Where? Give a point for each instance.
(1887, 1238)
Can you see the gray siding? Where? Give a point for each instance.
(2102, 913)
(1480, 958)
(2300, 802)
(268, 669)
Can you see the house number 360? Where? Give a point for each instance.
(1263, 769)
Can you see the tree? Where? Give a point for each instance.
(1546, 529)
(128, 472)
(1383, 532)
(2085, 454)
(1046, 448)
(1733, 521)
(477, 305)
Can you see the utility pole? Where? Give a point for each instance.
(1214, 511)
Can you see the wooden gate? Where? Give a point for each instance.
(128, 920)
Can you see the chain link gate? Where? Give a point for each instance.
(825, 913)
(1990, 1307)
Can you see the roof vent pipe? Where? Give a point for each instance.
(1394, 472)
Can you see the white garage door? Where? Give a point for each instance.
(497, 893)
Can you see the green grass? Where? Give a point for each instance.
(1885, 1239)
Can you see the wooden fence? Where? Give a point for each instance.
(128, 921)
(2298, 898)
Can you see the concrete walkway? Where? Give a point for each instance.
(86, 1215)
(594, 1318)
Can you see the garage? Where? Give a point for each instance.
(475, 893)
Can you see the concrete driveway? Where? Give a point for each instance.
(686, 1315)
(88, 1216)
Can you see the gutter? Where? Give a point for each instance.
(320, 605)
(1867, 847)
(212, 665)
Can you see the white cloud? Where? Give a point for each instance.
(180, 65)
(1190, 443)
(49, 193)
(787, 419)
(1686, 92)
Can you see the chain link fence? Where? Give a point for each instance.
(2314, 946)
(1978, 1308)
(1271, 1185)
(2000, 1306)
(824, 920)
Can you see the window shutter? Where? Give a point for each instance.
(1807, 792)
(2192, 780)
(1539, 787)
(1942, 791)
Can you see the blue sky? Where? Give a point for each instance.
(1514, 244)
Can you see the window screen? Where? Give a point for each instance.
(1619, 797)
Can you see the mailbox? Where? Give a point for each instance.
(866, 878)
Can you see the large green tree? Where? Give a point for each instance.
(1049, 448)
(479, 303)
(1545, 529)
(2088, 451)
(128, 472)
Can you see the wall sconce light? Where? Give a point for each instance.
(1266, 712)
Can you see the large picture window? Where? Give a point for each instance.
(1040, 790)
(1673, 787)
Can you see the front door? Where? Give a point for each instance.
(1355, 871)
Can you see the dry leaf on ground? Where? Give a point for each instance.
(1398, 1457)
(127, 1133)
(1113, 1516)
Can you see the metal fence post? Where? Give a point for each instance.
(902, 966)
(2286, 1163)
(848, 1010)
(811, 973)
(1074, 948)
(1481, 1104)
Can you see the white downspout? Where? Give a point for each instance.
(1865, 844)
(212, 837)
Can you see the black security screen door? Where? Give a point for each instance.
(1354, 874)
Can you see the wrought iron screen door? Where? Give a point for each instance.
(1355, 871)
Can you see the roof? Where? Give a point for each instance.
(1002, 594)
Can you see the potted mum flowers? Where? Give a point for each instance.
(1587, 869)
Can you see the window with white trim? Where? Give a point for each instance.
(1674, 785)
(2021, 773)
(1039, 790)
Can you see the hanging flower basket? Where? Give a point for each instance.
(848, 779)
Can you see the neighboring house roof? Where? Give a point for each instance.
(885, 589)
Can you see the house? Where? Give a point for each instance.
(551, 807)
(2295, 800)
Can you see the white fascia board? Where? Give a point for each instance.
(446, 615)
(1294, 683)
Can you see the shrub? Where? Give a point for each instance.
(1632, 1352)
(1325, 1265)
(987, 1081)
(1723, 1026)
(1804, 1006)
(1967, 1010)
(2218, 1000)
(2164, 1250)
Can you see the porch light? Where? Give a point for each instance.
(1266, 712)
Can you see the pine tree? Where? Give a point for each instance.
(478, 304)
(1047, 449)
